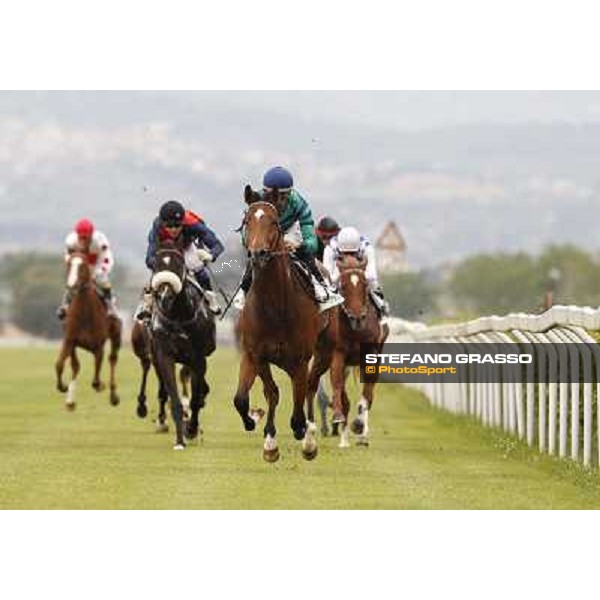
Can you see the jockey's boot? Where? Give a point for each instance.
(325, 294)
(381, 304)
(143, 313)
(61, 311)
(109, 302)
(240, 298)
(213, 302)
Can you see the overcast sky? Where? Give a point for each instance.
(422, 110)
(391, 110)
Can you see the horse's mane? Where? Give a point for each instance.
(347, 261)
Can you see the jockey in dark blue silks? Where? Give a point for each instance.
(296, 222)
(200, 243)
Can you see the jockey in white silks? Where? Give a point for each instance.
(94, 244)
(349, 241)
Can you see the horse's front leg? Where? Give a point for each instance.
(163, 397)
(271, 392)
(298, 420)
(184, 380)
(323, 402)
(75, 367)
(336, 374)
(142, 409)
(166, 368)
(241, 401)
(113, 357)
(303, 430)
(340, 399)
(200, 390)
(360, 425)
(65, 351)
(98, 358)
(315, 386)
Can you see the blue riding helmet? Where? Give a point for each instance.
(278, 177)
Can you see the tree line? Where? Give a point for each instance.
(497, 283)
(32, 284)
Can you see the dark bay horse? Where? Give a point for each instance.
(182, 331)
(279, 324)
(87, 325)
(357, 324)
(141, 343)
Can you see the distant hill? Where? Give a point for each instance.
(453, 191)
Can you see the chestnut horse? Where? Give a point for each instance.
(182, 331)
(358, 325)
(279, 325)
(87, 325)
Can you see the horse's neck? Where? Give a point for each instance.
(372, 328)
(186, 303)
(276, 286)
(87, 304)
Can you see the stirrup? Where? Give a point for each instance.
(239, 300)
(212, 302)
(334, 299)
(143, 315)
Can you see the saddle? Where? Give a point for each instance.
(304, 276)
(203, 293)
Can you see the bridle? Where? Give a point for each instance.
(355, 319)
(260, 258)
(79, 286)
(162, 278)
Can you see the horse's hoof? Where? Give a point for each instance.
(271, 456)
(114, 399)
(324, 430)
(179, 446)
(362, 442)
(357, 426)
(310, 454)
(249, 424)
(299, 434)
(142, 411)
(98, 386)
(338, 417)
(191, 433)
(335, 429)
(70, 406)
(162, 428)
(62, 388)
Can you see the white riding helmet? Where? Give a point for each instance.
(348, 239)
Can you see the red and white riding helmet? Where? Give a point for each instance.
(84, 228)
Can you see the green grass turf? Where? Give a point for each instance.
(105, 457)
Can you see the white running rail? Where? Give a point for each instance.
(557, 417)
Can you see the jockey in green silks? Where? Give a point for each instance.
(296, 222)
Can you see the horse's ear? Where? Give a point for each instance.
(249, 195)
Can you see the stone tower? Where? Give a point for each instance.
(391, 250)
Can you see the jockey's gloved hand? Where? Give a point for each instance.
(204, 255)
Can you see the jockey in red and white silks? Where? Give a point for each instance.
(98, 251)
(94, 244)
